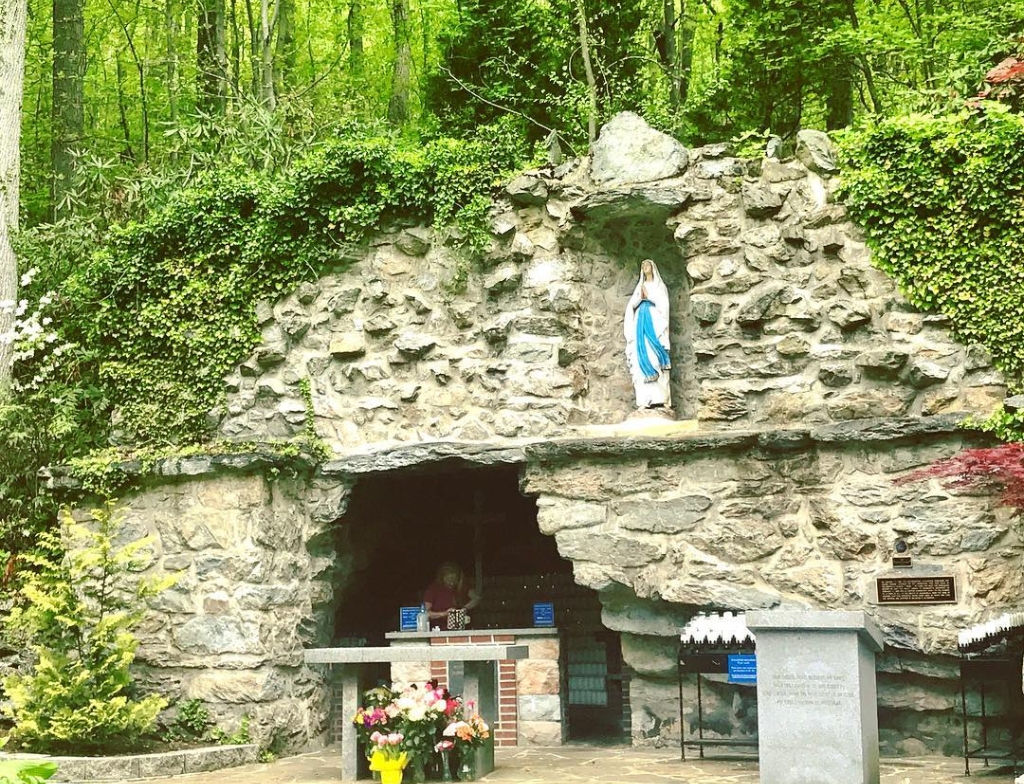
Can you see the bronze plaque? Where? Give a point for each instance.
(917, 590)
(901, 562)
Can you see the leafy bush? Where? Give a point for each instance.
(239, 737)
(939, 198)
(191, 722)
(24, 771)
(171, 299)
(77, 610)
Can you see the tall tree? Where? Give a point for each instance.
(68, 115)
(401, 71)
(13, 20)
(581, 19)
(211, 57)
(286, 51)
(268, 22)
(355, 38)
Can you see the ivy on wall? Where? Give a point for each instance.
(170, 300)
(941, 200)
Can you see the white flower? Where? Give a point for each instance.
(417, 713)
(405, 703)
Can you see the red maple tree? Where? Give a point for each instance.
(1005, 82)
(998, 469)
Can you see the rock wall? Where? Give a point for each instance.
(804, 522)
(778, 316)
(813, 383)
(257, 572)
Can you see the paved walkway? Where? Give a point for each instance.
(598, 764)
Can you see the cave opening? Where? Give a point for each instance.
(400, 525)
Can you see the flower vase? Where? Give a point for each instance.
(390, 768)
(417, 771)
(467, 765)
(446, 771)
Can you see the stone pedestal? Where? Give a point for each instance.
(817, 711)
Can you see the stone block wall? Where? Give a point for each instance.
(252, 581)
(537, 688)
(742, 526)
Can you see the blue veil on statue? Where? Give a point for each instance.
(645, 327)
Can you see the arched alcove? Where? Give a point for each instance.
(609, 249)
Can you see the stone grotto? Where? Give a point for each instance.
(480, 408)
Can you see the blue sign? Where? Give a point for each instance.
(407, 618)
(544, 614)
(742, 668)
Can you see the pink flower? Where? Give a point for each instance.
(444, 745)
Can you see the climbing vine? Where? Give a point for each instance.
(171, 298)
(941, 200)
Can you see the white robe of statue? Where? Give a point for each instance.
(649, 370)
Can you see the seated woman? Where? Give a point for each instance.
(450, 590)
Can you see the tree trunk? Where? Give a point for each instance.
(401, 73)
(13, 20)
(236, 50)
(268, 21)
(254, 49)
(122, 110)
(355, 38)
(685, 30)
(67, 115)
(839, 96)
(285, 53)
(589, 69)
(864, 62)
(171, 57)
(211, 58)
(667, 51)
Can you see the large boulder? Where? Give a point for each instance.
(815, 151)
(630, 151)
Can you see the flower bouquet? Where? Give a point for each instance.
(416, 713)
(423, 712)
(468, 734)
(388, 757)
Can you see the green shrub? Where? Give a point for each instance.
(939, 198)
(239, 737)
(24, 771)
(191, 722)
(78, 605)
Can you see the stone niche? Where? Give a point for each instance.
(813, 383)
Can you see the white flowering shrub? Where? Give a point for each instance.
(32, 334)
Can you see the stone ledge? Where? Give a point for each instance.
(133, 767)
(61, 479)
(659, 437)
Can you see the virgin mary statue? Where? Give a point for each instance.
(645, 326)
